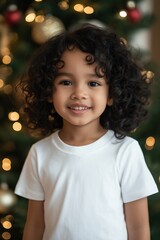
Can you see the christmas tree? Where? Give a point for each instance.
(24, 26)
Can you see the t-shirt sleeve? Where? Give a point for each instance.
(135, 178)
(29, 184)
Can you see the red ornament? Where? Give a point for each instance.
(12, 15)
(134, 15)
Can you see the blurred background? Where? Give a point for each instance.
(24, 26)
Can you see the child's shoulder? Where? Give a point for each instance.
(125, 143)
(124, 140)
(45, 142)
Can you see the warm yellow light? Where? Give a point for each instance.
(13, 116)
(88, 10)
(6, 167)
(7, 224)
(150, 141)
(6, 59)
(63, 5)
(6, 160)
(39, 18)
(17, 126)
(6, 235)
(6, 164)
(30, 17)
(38, 0)
(1, 83)
(123, 14)
(78, 7)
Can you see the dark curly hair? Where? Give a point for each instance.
(129, 88)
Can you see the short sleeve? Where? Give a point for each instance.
(29, 185)
(135, 178)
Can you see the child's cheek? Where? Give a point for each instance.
(54, 89)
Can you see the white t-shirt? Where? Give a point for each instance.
(84, 187)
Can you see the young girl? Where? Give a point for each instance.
(86, 180)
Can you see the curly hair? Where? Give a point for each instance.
(129, 88)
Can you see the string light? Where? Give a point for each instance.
(13, 116)
(6, 167)
(7, 221)
(150, 142)
(7, 224)
(1, 83)
(6, 164)
(123, 14)
(39, 19)
(30, 16)
(78, 7)
(6, 235)
(6, 59)
(88, 10)
(63, 5)
(17, 126)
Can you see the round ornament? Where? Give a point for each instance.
(42, 31)
(12, 15)
(134, 15)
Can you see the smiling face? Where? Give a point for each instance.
(79, 95)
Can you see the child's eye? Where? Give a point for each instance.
(93, 84)
(66, 82)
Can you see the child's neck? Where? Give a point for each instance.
(80, 136)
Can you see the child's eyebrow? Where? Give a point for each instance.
(64, 74)
(72, 74)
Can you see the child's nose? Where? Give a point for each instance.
(79, 93)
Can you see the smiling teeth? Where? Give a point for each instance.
(79, 108)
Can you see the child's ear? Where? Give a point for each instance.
(110, 102)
